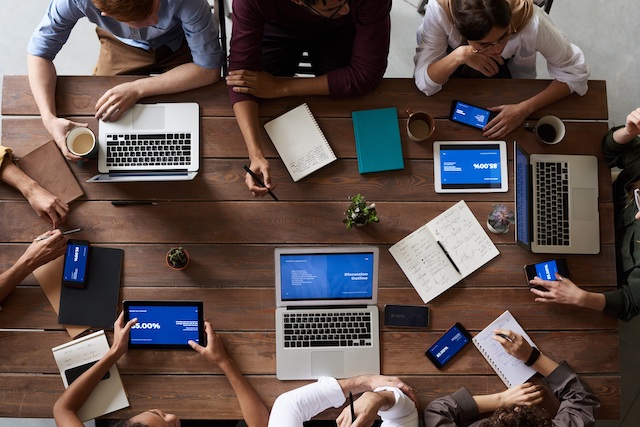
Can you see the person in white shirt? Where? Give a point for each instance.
(490, 38)
(384, 396)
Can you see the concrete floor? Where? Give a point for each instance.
(602, 28)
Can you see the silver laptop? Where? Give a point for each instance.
(556, 202)
(326, 312)
(150, 142)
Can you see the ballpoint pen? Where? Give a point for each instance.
(259, 181)
(449, 257)
(74, 230)
(353, 412)
(132, 202)
(504, 336)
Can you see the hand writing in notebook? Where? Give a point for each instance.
(259, 167)
(514, 344)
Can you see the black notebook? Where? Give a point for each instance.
(95, 305)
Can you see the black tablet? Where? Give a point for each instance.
(165, 324)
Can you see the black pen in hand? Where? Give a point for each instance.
(259, 181)
(353, 412)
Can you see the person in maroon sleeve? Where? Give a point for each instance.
(347, 42)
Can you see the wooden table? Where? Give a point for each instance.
(231, 237)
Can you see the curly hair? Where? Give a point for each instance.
(518, 416)
(126, 10)
(475, 18)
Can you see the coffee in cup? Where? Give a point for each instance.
(420, 125)
(549, 129)
(81, 141)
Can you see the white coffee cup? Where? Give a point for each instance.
(549, 129)
(81, 141)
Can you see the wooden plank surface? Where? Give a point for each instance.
(231, 237)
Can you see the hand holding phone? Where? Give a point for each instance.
(546, 270)
(470, 115)
(76, 263)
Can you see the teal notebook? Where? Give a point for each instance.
(377, 136)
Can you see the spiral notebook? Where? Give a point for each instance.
(300, 142)
(511, 371)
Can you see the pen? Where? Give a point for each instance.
(132, 202)
(505, 337)
(353, 412)
(449, 257)
(259, 181)
(73, 230)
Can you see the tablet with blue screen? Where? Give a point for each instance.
(470, 167)
(165, 324)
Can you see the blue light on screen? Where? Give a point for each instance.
(547, 270)
(470, 166)
(164, 324)
(468, 114)
(447, 346)
(522, 197)
(75, 266)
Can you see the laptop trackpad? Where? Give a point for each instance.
(327, 363)
(149, 117)
(585, 204)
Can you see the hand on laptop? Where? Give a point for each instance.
(509, 117)
(58, 128)
(116, 101)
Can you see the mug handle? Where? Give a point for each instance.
(408, 112)
(530, 128)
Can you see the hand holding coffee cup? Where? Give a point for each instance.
(81, 142)
(549, 129)
(420, 125)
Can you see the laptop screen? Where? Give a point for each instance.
(522, 190)
(319, 275)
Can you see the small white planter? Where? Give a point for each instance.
(493, 230)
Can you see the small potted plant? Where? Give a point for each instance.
(177, 258)
(500, 219)
(359, 213)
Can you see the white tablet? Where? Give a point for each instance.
(470, 167)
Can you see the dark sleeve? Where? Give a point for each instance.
(370, 51)
(624, 302)
(454, 410)
(578, 405)
(622, 156)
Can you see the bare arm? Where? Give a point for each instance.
(254, 411)
(510, 116)
(37, 254)
(564, 291)
(45, 204)
(42, 79)
(65, 410)
(184, 77)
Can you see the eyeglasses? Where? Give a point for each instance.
(485, 47)
(636, 196)
(334, 10)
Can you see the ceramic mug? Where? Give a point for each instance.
(82, 142)
(549, 130)
(420, 125)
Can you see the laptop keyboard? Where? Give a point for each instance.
(331, 329)
(172, 149)
(552, 203)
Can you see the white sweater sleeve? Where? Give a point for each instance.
(403, 413)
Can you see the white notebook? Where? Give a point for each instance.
(512, 371)
(72, 357)
(300, 142)
(421, 255)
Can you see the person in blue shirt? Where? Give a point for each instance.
(176, 38)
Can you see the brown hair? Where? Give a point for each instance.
(475, 18)
(126, 10)
(518, 416)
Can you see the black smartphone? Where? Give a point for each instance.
(411, 316)
(546, 270)
(470, 115)
(72, 374)
(448, 345)
(76, 264)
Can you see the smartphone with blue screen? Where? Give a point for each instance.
(76, 264)
(470, 115)
(546, 270)
(447, 346)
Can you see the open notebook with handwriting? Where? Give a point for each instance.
(444, 251)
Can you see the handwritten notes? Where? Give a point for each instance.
(511, 371)
(426, 264)
(300, 142)
(109, 394)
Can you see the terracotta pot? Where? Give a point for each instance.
(177, 268)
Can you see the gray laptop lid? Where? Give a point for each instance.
(326, 276)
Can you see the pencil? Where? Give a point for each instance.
(74, 230)
(259, 181)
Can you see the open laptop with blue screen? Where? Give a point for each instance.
(326, 312)
(556, 198)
